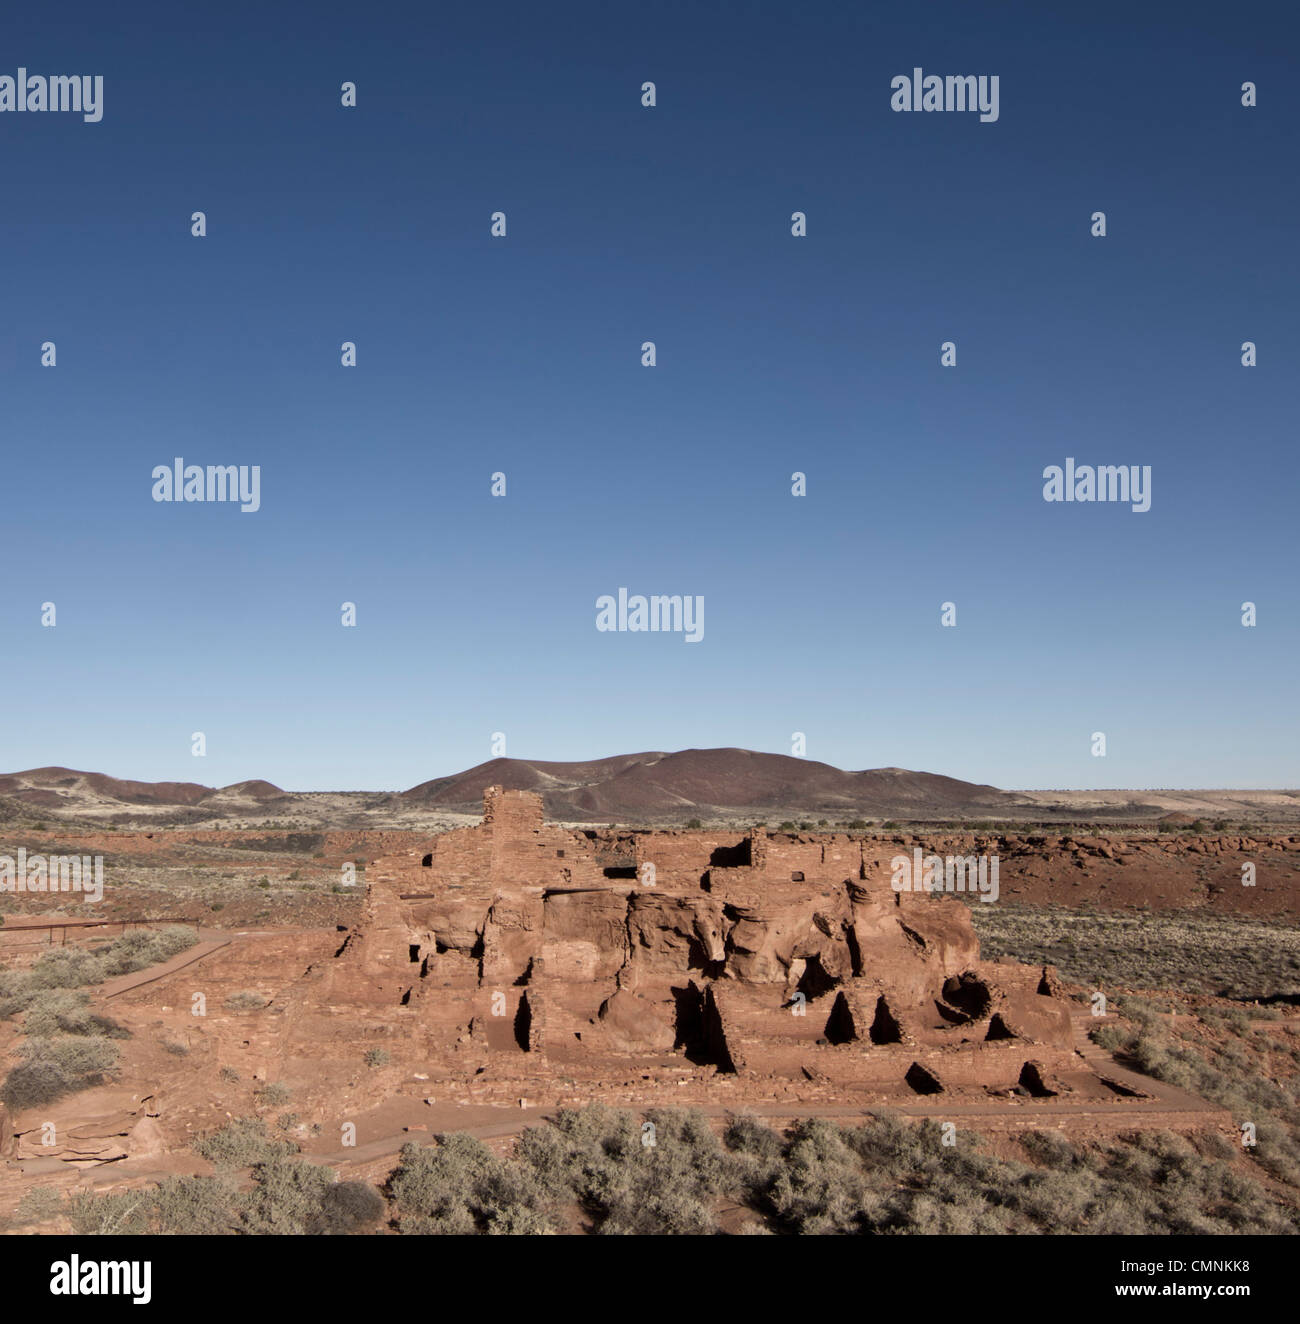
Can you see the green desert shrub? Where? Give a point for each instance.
(125, 1213)
(755, 1155)
(821, 1185)
(31, 1084)
(66, 1011)
(604, 1160)
(670, 1188)
(54, 1067)
(38, 1205)
(348, 1208)
(141, 948)
(286, 1196)
(458, 1186)
(242, 1143)
(196, 1206)
(75, 1055)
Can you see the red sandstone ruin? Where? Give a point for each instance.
(706, 957)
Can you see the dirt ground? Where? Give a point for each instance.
(269, 906)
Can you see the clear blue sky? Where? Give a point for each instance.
(775, 354)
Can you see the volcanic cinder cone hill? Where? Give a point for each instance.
(65, 792)
(656, 785)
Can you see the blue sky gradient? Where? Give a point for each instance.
(775, 354)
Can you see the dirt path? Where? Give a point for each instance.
(111, 988)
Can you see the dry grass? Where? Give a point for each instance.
(1219, 955)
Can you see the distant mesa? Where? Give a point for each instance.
(712, 781)
(53, 787)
